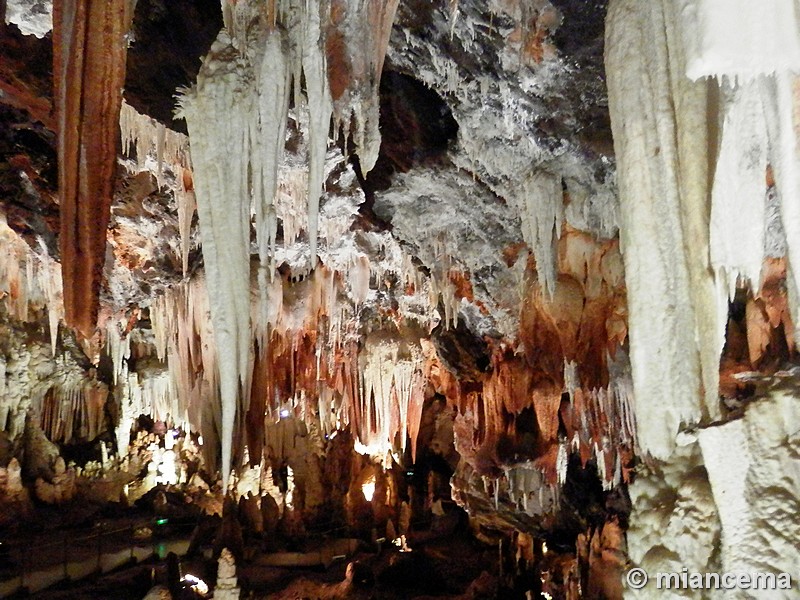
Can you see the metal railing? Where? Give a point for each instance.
(34, 567)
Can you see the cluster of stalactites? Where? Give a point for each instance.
(442, 286)
(599, 424)
(29, 282)
(689, 245)
(757, 173)
(184, 338)
(305, 360)
(541, 208)
(236, 116)
(164, 152)
(661, 136)
(391, 396)
(74, 408)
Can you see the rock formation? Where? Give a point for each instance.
(537, 257)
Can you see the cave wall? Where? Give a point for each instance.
(585, 310)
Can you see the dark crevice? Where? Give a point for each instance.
(416, 129)
(168, 40)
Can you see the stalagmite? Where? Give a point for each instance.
(89, 65)
(658, 119)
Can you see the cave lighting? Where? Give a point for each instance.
(401, 543)
(196, 584)
(368, 488)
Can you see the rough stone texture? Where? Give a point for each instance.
(519, 106)
(752, 465)
(33, 17)
(674, 522)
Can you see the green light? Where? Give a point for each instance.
(162, 521)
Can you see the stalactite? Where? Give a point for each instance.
(359, 276)
(658, 118)
(30, 282)
(242, 92)
(738, 208)
(89, 65)
(219, 115)
(274, 78)
(320, 111)
(541, 211)
(756, 48)
(153, 142)
(442, 286)
(118, 348)
(184, 339)
(738, 38)
(778, 97)
(390, 393)
(74, 407)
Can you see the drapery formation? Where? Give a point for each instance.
(89, 51)
(693, 158)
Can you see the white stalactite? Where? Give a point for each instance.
(676, 314)
(758, 47)
(738, 206)
(320, 110)
(221, 114)
(274, 79)
(156, 145)
(541, 210)
(739, 38)
(236, 116)
(30, 281)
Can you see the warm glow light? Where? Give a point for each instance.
(289, 488)
(197, 584)
(284, 413)
(368, 488)
(199, 440)
(402, 543)
(544, 547)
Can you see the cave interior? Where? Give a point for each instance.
(399, 298)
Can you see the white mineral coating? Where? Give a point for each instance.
(677, 315)
(33, 17)
(674, 522)
(738, 206)
(219, 115)
(739, 39)
(753, 465)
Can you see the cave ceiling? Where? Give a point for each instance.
(465, 247)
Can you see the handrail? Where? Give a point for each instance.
(79, 550)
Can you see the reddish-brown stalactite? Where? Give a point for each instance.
(89, 54)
